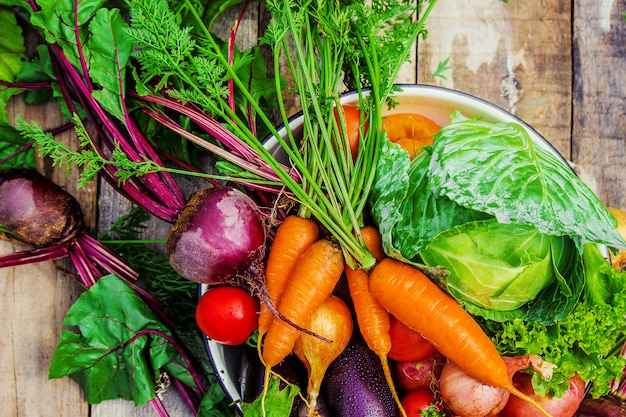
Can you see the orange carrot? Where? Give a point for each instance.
(294, 235)
(373, 322)
(415, 300)
(372, 317)
(312, 281)
(373, 241)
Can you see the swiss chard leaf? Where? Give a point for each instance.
(121, 349)
(12, 58)
(12, 48)
(56, 21)
(13, 152)
(111, 48)
(496, 168)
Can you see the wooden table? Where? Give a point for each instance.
(558, 65)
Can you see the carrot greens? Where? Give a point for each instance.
(322, 42)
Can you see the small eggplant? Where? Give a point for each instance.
(355, 384)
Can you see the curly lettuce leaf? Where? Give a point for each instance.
(496, 168)
(121, 348)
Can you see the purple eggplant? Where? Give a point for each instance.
(355, 385)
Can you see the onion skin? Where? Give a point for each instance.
(332, 320)
(36, 210)
(467, 396)
(218, 234)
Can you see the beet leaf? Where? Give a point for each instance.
(12, 57)
(122, 348)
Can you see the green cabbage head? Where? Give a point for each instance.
(493, 265)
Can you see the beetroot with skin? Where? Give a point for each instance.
(37, 211)
(607, 406)
(218, 234)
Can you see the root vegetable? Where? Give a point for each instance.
(332, 320)
(218, 234)
(607, 406)
(469, 397)
(401, 288)
(564, 406)
(37, 211)
(420, 374)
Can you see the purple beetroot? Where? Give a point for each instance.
(218, 234)
(37, 211)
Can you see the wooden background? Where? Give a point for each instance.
(559, 65)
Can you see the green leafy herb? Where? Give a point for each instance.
(277, 403)
(121, 349)
(441, 67)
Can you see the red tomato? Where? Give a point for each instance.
(407, 345)
(227, 314)
(352, 115)
(416, 401)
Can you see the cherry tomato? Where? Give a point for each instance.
(416, 401)
(352, 115)
(227, 314)
(407, 345)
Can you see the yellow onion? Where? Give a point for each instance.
(333, 321)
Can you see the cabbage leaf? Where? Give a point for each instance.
(498, 169)
(494, 265)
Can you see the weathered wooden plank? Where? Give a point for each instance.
(599, 131)
(33, 302)
(515, 55)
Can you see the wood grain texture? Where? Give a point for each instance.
(33, 302)
(516, 55)
(599, 99)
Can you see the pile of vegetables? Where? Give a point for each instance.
(372, 247)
